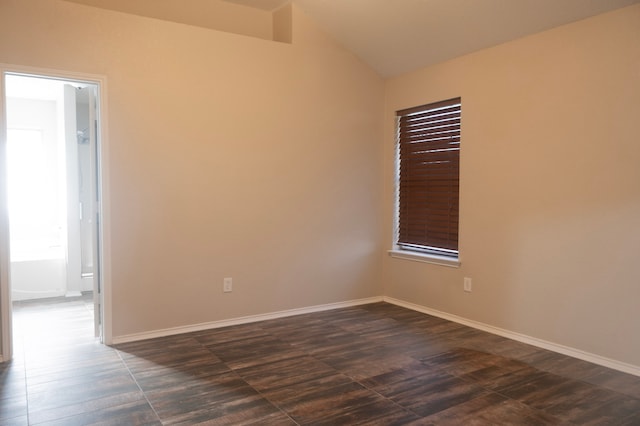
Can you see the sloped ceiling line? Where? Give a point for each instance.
(393, 36)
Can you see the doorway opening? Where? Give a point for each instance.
(52, 194)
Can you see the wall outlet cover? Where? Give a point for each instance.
(227, 285)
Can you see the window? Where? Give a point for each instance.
(33, 185)
(429, 147)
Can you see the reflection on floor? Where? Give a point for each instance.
(374, 364)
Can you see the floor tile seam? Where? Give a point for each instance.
(283, 410)
(244, 370)
(466, 401)
(439, 368)
(486, 392)
(72, 415)
(60, 375)
(315, 360)
(71, 404)
(519, 402)
(198, 336)
(397, 404)
(274, 403)
(296, 347)
(261, 394)
(240, 377)
(300, 382)
(227, 344)
(604, 388)
(278, 407)
(144, 394)
(231, 369)
(465, 377)
(601, 405)
(24, 372)
(386, 398)
(569, 381)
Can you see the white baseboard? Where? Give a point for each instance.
(565, 350)
(241, 320)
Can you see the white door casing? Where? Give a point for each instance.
(101, 243)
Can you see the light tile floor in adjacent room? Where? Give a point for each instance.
(375, 364)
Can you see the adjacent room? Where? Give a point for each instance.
(282, 234)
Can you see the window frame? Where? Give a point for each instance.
(419, 252)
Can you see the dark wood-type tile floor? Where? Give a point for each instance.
(375, 364)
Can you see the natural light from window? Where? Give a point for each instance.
(36, 230)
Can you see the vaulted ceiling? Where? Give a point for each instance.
(398, 36)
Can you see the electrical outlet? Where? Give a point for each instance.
(227, 285)
(467, 284)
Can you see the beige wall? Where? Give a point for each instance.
(230, 156)
(214, 14)
(219, 144)
(550, 186)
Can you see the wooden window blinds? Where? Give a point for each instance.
(429, 142)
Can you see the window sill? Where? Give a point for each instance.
(426, 258)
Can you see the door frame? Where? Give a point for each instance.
(103, 207)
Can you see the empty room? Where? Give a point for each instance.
(320, 212)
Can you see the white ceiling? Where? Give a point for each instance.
(398, 36)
